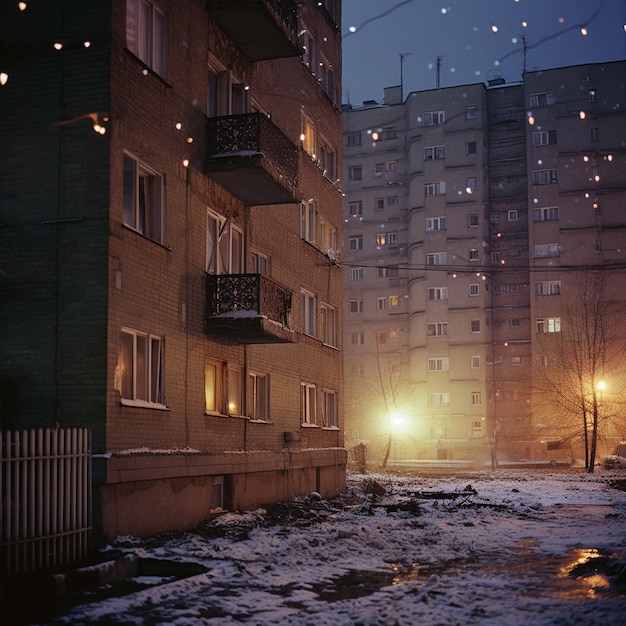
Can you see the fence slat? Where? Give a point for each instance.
(45, 493)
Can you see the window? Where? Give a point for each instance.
(434, 118)
(470, 147)
(543, 137)
(327, 160)
(379, 204)
(354, 139)
(225, 95)
(328, 237)
(328, 321)
(474, 326)
(513, 215)
(392, 239)
(474, 289)
(437, 329)
(309, 50)
(379, 168)
(545, 177)
(355, 172)
(436, 223)
(259, 263)
(386, 134)
(394, 333)
(258, 396)
(381, 239)
(516, 360)
(326, 78)
(477, 398)
(308, 313)
(234, 384)
(549, 325)
(475, 362)
(308, 217)
(547, 250)
(472, 255)
(214, 387)
(143, 200)
(387, 272)
(329, 409)
(381, 304)
(390, 166)
(593, 95)
(308, 404)
(441, 364)
(542, 99)
(548, 214)
(593, 133)
(515, 323)
(434, 152)
(356, 208)
(141, 368)
(355, 243)
(437, 293)
(392, 200)
(146, 34)
(548, 288)
(356, 339)
(597, 247)
(356, 273)
(472, 220)
(381, 337)
(356, 306)
(470, 112)
(471, 183)
(308, 136)
(437, 258)
(477, 425)
(435, 189)
(224, 246)
(438, 399)
(394, 300)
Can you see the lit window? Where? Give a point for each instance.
(394, 300)
(549, 325)
(214, 385)
(308, 137)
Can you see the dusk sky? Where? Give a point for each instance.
(476, 39)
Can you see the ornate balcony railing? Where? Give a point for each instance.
(249, 155)
(262, 29)
(249, 308)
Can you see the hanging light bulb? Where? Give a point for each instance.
(4, 77)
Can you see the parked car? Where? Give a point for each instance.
(617, 460)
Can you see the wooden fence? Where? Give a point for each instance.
(45, 493)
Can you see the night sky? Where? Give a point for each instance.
(476, 40)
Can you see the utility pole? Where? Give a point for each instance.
(403, 55)
(438, 71)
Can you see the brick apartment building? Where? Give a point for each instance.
(471, 216)
(170, 280)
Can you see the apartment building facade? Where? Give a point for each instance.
(495, 181)
(170, 280)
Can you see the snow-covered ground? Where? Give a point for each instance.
(490, 547)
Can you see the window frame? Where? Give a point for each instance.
(308, 313)
(308, 404)
(142, 362)
(147, 34)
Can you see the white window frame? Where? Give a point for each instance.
(356, 305)
(355, 243)
(474, 290)
(438, 364)
(475, 361)
(545, 177)
(546, 214)
(308, 221)
(144, 199)
(437, 258)
(542, 99)
(436, 223)
(308, 313)
(512, 215)
(308, 404)
(437, 293)
(477, 398)
(435, 189)
(549, 325)
(433, 153)
(434, 118)
(224, 246)
(328, 237)
(439, 398)
(356, 273)
(437, 329)
(547, 250)
(548, 288)
(472, 220)
(146, 34)
(258, 397)
(234, 390)
(329, 409)
(328, 321)
(357, 339)
(142, 369)
(381, 303)
(356, 208)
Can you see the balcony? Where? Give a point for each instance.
(262, 29)
(248, 308)
(252, 158)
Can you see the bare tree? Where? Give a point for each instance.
(587, 349)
